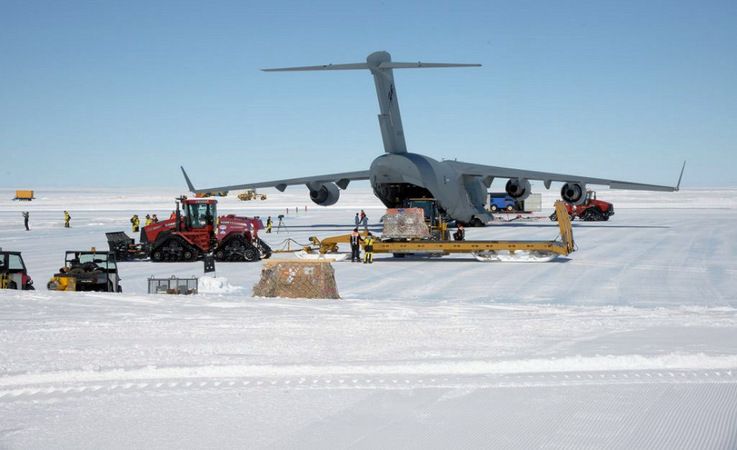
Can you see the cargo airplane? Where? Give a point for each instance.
(459, 188)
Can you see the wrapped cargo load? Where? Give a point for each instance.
(405, 223)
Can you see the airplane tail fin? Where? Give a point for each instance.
(189, 182)
(680, 177)
(381, 66)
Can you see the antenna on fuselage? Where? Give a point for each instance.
(380, 64)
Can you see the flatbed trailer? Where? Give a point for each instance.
(482, 250)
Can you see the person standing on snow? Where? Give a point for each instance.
(67, 219)
(25, 219)
(357, 220)
(460, 233)
(364, 221)
(356, 246)
(368, 249)
(135, 223)
(269, 224)
(148, 221)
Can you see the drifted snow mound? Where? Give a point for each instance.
(215, 285)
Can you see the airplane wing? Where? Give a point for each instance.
(340, 179)
(488, 173)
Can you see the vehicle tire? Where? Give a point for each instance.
(509, 208)
(494, 208)
(12, 285)
(120, 289)
(188, 254)
(554, 217)
(30, 288)
(157, 256)
(476, 222)
(250, 254)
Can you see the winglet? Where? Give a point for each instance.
(678, 185)
(189, 182)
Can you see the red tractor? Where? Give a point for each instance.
(192, 231)
(590, 210)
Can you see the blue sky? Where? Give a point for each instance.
(122, 93)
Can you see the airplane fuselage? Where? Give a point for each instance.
(396, 177)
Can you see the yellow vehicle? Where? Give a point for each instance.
(87, 271)
(251, 195)
(211, 194)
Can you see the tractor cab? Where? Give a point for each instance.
(590, 195)
(13, 274)
(199, 213)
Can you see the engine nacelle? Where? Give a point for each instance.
(518, 188)
(324, 194)
(574, 193)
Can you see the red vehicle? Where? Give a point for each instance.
(192, 231)
(13, 273)
(590, 210)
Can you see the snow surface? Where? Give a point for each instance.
(630, 342)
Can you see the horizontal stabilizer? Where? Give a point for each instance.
(421, 65)
(354, 66)
(383, 65)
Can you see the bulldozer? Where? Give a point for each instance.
(87, 271)
(193, 231)
(251, 195)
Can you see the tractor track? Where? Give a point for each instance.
(69, 388)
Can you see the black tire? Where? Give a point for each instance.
(157, 256)
(189, 255)
(30, 287)
(12, 285)
(250, 254)
(509, 208)
(554, 217)
(494, 208)
(476, 222)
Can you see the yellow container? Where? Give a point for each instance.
(23, 195)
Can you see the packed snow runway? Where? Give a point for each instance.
(627, 343)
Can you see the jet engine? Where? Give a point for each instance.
(518, 188)
(324, 194)
(574, 193)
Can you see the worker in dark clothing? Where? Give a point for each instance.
(25, 219)
(356, 246)
(269, 224)
(364, 221)
(67, 219)
(368, 249)
(460, 233)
